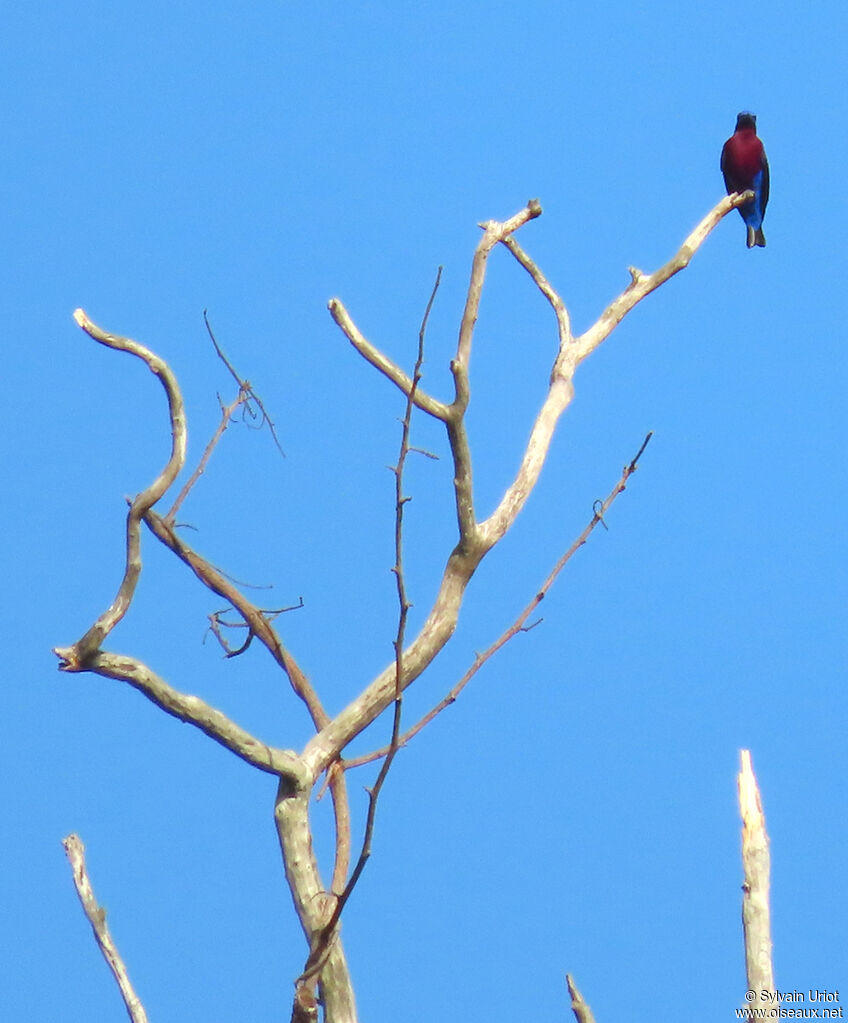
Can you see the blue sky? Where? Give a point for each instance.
(576, 809)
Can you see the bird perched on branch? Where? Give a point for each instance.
(744, 166)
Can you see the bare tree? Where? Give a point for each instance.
(325, 980)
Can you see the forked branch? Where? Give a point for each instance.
(318, 908)
(572, 351)
(520, 623)
(476, 539)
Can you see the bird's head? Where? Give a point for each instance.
(746, 120)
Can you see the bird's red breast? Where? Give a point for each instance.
(744, 154)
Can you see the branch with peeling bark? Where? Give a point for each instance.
(756, 913)
(194, 711)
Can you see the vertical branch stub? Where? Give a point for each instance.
(756, 860)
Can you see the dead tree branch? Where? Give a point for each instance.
(582, 1012)
(312, 902)
(318, 952)
(226, 418)
(319, 908)
(245, 386)
(257, 622)
(756, 860)
(194, 711)
(74, 658)
(383, 363)
(643, 284)
(520, 623)
(96, 914)
(475, 540)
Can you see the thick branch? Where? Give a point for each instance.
(573, 351)
(96, 915)
(476, 540)
(312, 903)
(559, 397)
(434, 634)
(560, 393)
(756, 860)
(197, 712)
(74, 658)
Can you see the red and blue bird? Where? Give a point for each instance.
(745, 167)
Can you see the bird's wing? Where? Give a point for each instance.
(764, 188)
(729, 181)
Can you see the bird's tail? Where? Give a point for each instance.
(756, 237)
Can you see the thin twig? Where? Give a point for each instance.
(544, 285)
(96, 914)
(321, 946)
(258, 622)
(226, 417)
(217, 624)
(756, 860)
(520, 623)
(244, 385)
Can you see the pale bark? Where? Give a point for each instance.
(317, 906)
